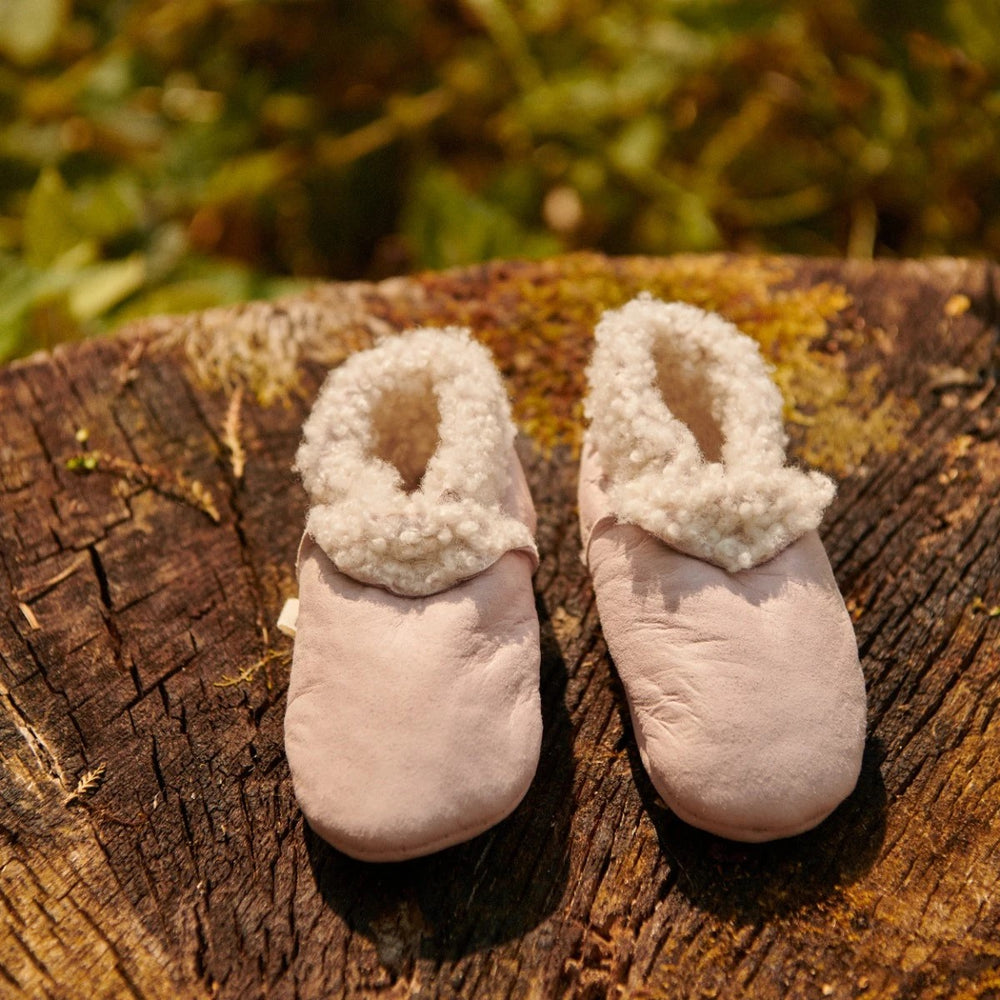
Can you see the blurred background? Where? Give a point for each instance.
(168, 155)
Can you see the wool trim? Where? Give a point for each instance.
(375, 415)
(724, 495)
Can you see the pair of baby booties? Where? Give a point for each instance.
(414, 717)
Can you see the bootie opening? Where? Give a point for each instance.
(688, 395)
(406, 429)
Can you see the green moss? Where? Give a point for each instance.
(538, 320)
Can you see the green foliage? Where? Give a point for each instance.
(452, 226)
(165, 155)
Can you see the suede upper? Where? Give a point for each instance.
(745, 691)
(412, 723)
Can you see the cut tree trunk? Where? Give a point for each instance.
(150, 844)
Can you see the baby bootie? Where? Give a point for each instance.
(715, 594)
(413, 719)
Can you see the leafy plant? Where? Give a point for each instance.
(166, 155)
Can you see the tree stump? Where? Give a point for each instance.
(150, 844)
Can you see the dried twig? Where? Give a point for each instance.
(171, 484)
(128, 371)
(35, 590)
(977, 399)
(247, 674)
(88, 784)
(231, 434)
(29, 615)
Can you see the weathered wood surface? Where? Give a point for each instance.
(130, 594)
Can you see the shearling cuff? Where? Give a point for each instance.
(688, 428)
(409, 463)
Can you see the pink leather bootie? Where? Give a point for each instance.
(716, 597)
(413, 719)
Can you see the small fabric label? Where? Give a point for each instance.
(288, 617)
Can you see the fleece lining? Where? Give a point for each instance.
(406, 459)
(688, 427)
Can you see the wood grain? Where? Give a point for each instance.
(137, 634)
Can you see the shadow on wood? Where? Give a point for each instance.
(745, 884)
(476, 895)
